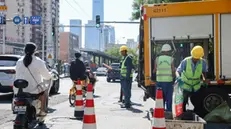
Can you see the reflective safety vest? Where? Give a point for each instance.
(164, 69)
(192, 80)
(123, 69)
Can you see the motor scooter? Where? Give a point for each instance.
(27, 107)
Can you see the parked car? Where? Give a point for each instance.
(113, 74)
(7, 72)
(101, 71)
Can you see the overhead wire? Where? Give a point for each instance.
(73, 7)
(81, 8)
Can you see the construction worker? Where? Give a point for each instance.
(126, 76)
(165, 72)
(189, 73)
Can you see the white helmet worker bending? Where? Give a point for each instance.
(166, 48)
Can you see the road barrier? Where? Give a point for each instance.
(79, 109)
(158, 114)
(89, 119)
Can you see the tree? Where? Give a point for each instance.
(115, 51)
(138, 3)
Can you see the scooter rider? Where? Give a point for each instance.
(33, 69)
(77, 69)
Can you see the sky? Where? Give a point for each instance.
(114, 10)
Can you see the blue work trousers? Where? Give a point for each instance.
(126, 85)
(167, 88)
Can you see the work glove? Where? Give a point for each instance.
(180, 82)
(205, 84)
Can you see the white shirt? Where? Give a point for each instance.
(39, 71)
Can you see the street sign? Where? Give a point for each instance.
(49, 56)
(17, 20)
(3, 8)
(35, 20)
(26, 20)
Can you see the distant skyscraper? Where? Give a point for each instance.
(61, 28)
(94, 39)
(77, 30)
(112, 35)
(92, 36)
(98, 9)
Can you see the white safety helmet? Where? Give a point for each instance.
(166, 47)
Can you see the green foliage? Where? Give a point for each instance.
(115, 51)
(138, 3)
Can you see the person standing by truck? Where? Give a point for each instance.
(164, 70)
(189, 73)
(126, 76)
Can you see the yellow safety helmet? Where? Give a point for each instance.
(123, 48)
(197, 52)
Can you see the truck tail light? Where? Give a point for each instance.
(145, 16)
(221, 82)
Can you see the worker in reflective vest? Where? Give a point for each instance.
(189, 73)
(126, 76)
(164, 70)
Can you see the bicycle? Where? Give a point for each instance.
(72, 92)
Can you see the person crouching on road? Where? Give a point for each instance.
(189, 73)
(164, 70)
(126, 76)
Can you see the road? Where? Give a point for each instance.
(107, 109)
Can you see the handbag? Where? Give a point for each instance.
(40, 87)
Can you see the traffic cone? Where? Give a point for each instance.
(158, 113)
(79, 110)
(89, 119)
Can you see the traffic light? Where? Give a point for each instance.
(53, 31)
(2, 20)
(97, 21)
(181, 45)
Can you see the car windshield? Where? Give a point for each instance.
(115, 66)
(101, 69)
(8, 61)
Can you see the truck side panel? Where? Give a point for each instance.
(225, 45)
(197, 27)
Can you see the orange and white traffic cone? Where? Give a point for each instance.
(89, 119)
(158, 113)
(79, 110)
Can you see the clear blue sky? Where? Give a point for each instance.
(114, 10)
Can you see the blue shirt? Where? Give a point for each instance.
(183, 64)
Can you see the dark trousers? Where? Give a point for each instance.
(121, 94)
(186, 95)
(126, 89)
(167, 89)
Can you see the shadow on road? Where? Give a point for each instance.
(136, 104)
(97, 96)
(6, 97)
(41, 127)
(135, 110)
(51, 110)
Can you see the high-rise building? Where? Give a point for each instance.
(131, 43)
(61, 28)
(48, 10)
(94, 38)
(77, 30)
(69, 45)
(98, 9)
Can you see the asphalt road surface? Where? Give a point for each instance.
(108, 113)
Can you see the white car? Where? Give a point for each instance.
(101, 71)
(7, 72)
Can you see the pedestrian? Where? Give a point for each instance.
(165, 71)
(189, 73)
(126, 76)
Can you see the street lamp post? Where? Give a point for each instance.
(42, 43)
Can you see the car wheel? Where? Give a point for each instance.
(108, 80)
(55, 87)
(210, 99)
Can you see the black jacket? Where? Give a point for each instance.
(77, 70)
